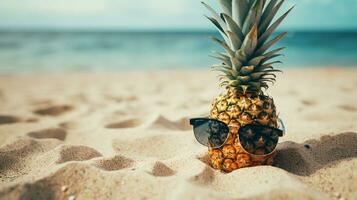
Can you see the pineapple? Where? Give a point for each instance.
(246, 67)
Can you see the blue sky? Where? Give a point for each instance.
(163, 14)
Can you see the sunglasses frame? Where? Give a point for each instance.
(281, 132)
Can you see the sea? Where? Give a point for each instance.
(98, 51)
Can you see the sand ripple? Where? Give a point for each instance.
(54, 110)
(8, 119)
(57, 133)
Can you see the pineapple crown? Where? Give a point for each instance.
(246, 26)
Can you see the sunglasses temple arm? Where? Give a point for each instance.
(282, 126)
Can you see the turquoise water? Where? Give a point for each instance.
(54, 51)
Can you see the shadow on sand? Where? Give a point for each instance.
(305, 159)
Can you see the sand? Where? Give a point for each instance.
(126, 136)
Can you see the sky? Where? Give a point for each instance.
(158, 14)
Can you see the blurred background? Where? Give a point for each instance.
(101, 35)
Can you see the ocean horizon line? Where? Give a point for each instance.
(46, 50)
(153, 31)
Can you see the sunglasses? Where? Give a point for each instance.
(214, 134)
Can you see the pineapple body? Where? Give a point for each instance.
(247, 68)
(238, 110)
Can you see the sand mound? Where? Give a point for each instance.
(338, 179)
(77, 180)
(115, 163)
(76, 153)
(160, 169)
(29, 157)
(16, 159)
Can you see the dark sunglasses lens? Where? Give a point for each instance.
(210, 132)
(258, 140)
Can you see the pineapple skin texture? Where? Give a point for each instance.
(235, 109)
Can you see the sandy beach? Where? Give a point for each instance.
(126, 136)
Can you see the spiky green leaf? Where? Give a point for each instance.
(246, 70)
(234, 83)
(266, 74)
(233, 26)
(273, 70)
(269, 14)
(224, 83)
(240, 55)
(216, 24)
(226, 6)
(260, 6)
(256, 61)
(251, 3)
(272, 63)
(236, 64)
(215, 67)
(220, 29)
(270, 53)
(254, 84)
(272, 28)
(271, 57)
(240, 10)
(235, 41)
(215, 16)
(253, 17)
(271, 80)
(223, 45)
(263, 68)
(256, 75)
(250, 42)
(267, 45)
(223, 59)
(243, 79)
